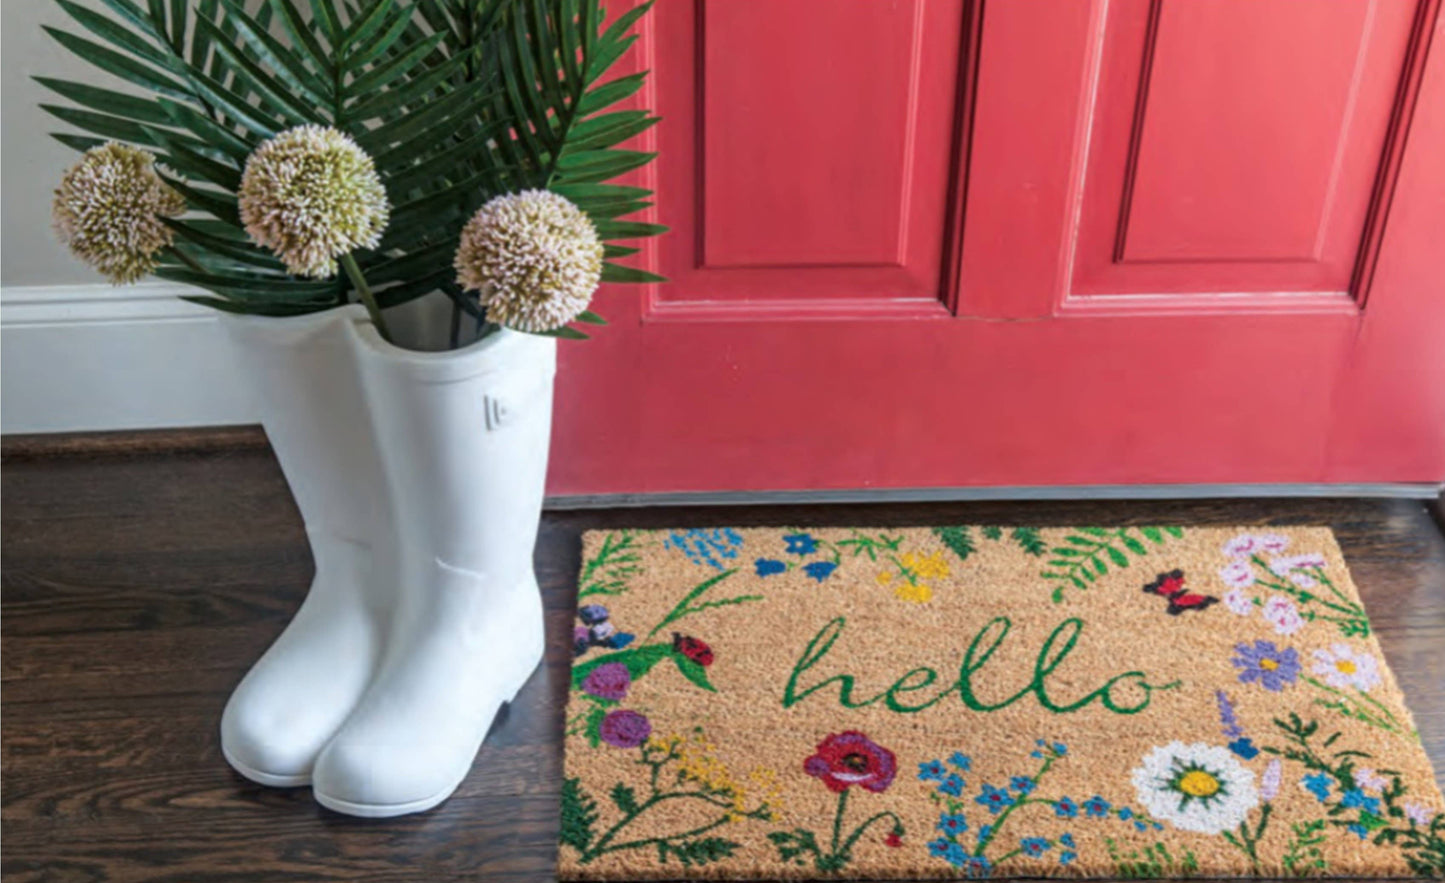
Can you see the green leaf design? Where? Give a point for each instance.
(625, 798)
(958, 538)
(693, 671)
(639, 661)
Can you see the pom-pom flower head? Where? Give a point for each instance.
(108, 211)
(311, 195)
(534, 257)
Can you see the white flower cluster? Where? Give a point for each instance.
(108, 207)
(311, 195)
(534, 257)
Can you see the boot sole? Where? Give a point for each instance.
(387, 810)
(270, 780)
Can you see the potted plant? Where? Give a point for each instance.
(311, 168)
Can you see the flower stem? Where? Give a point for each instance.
(352, 270)
(185, 259)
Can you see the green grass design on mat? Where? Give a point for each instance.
(1153, 863)
(1080, 559)
(607, 572)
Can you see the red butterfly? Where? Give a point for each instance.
(1171, 585)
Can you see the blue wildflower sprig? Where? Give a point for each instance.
(826, 556)
(1239, 743)
(708, 547)
(986, 849)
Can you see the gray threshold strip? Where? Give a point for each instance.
(1421, 491)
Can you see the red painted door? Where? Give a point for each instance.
(938, 243)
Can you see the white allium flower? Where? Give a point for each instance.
(1343, 668)
(311, 195)
(108, 207)
(1196, 787)
(534, 257)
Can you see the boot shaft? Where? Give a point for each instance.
(303, 374)
(463, 439)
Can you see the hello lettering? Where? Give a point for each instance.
(900, 696)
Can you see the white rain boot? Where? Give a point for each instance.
(295, 698)
(463, 437)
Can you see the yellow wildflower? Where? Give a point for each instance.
(917, 593)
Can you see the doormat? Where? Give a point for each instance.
(978, 701)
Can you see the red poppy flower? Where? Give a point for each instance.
(851, 758)
(893, 840)
(693, 649)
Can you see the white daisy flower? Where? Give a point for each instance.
(1196, 787)
(1237, 574)
(1238, 602)
(1343, 668)
(1280, 612)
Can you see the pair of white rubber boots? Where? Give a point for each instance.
(419, 476)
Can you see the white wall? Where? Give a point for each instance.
(75, 352)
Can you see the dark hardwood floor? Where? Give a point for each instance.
(138, 586)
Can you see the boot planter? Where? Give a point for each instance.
(449, 459)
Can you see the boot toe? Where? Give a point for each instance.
(377, 779)
(267, 746)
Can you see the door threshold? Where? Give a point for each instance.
(1398, 490)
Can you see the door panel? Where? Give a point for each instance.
(1237, 144)
(1022, 335)
(807, 151)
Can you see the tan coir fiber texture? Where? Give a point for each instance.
(985, 701)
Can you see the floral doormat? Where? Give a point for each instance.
(985, 701)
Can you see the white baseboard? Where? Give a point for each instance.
(93, 357)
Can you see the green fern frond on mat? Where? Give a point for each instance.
(686, 607)
(960, 539)
(607, 572)
(1029, 540)
(579, 813)
(1081, 558)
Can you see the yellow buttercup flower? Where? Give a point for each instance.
(926, 566)
(917, 593)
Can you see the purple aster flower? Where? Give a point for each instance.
(608, 681)
(1267, 664)
(769, 566)
(625, 729)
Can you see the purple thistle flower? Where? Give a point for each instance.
(625, 729)
(608, 681)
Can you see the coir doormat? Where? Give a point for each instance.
(985, 701)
